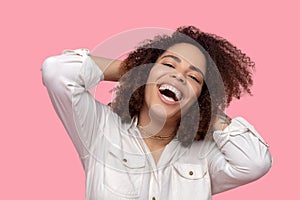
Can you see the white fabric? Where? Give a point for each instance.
(118, 165)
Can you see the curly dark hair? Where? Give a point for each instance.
(235, 69)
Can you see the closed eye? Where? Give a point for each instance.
(195, 78)
(168, 65)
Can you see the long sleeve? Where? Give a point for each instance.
(240, 156)
(68, 77)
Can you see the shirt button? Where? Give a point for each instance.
(153, 198)
(191, 173)
(124, 160)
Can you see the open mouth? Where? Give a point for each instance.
(170, 93)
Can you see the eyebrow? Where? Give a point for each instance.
(197, 69)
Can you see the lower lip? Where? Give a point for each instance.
(165, 100)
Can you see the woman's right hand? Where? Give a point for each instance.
(109, 67)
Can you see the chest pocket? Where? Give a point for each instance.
(123, 173)
(191, 181)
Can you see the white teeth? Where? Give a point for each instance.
(172, 89)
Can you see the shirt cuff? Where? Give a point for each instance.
(237, 127)
(89, 74)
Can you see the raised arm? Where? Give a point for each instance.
(109, 67)
(68, 77)
(239, 155)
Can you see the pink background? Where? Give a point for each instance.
(38, 160)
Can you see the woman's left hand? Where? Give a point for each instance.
(222, 121)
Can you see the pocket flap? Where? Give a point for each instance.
(130, 160)
(191, 171)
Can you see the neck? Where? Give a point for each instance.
(158, 130)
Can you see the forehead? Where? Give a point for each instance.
(189, 53)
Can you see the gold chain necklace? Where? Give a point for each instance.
(156, 137)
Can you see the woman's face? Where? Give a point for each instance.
(175, 82)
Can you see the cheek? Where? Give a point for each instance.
(198, 91)
(194, 93)
(195, 90)
(149, 93)
(146, 94)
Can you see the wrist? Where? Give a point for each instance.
(222, 121)
(109, 67)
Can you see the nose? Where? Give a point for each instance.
(178, 77)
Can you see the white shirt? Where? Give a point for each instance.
(119, 165)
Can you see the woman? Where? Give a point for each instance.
(164, 136)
